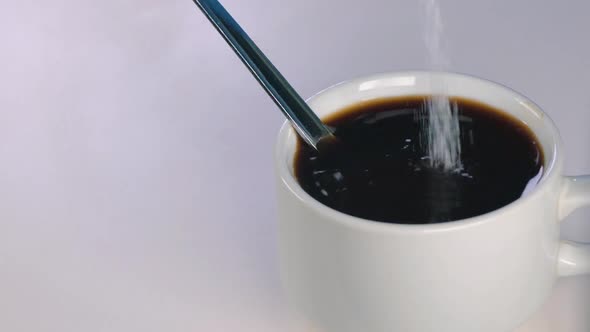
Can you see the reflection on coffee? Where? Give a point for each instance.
(380, 170)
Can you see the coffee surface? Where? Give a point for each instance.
(379, 169)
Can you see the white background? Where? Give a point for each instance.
(136, 187)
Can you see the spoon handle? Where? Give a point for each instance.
(303, 119)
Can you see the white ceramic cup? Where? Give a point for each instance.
(487, 273)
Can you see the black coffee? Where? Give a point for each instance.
(380, 171)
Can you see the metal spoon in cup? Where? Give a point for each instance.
(302, 118)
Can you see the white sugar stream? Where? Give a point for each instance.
(440, 126)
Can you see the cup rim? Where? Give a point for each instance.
(291, 183)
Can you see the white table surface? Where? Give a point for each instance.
(136, 187)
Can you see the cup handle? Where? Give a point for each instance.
(574, 258)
